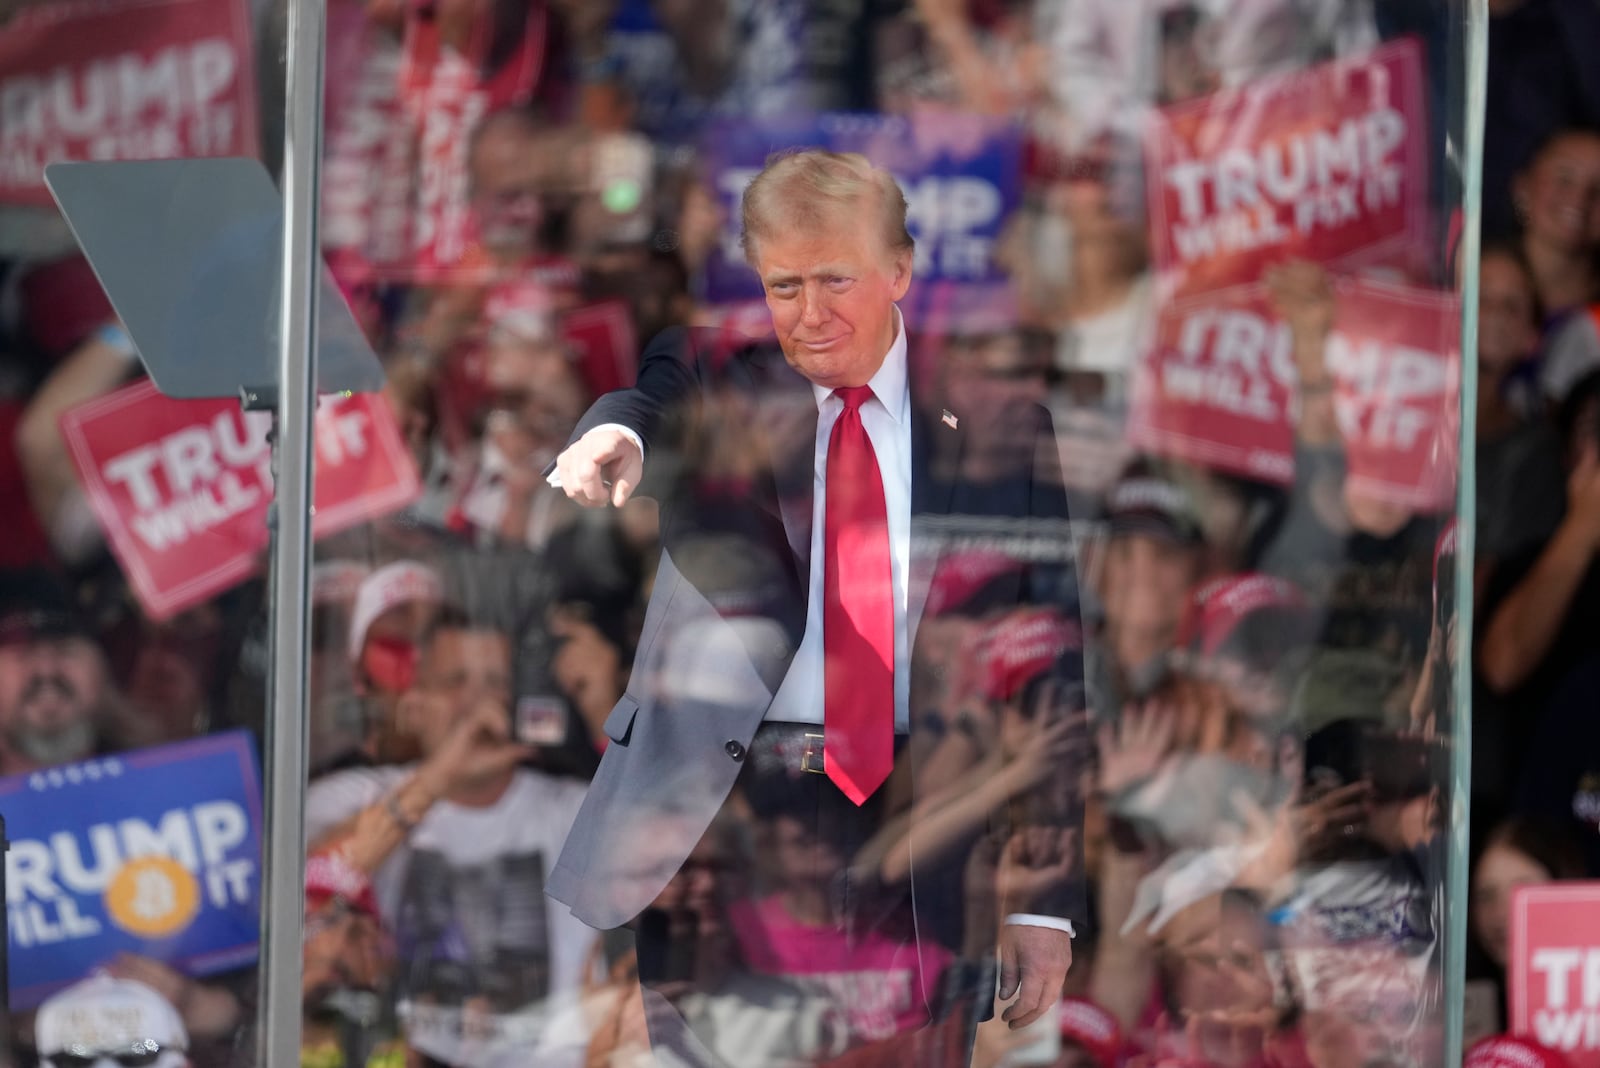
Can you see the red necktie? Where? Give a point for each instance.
(857, 609)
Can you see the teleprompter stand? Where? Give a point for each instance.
(202, 264)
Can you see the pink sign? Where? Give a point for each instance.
(1395, 353)
(1328, 164)
(181, 487)
(1219, 385)
(122, 80)
(1554, 972)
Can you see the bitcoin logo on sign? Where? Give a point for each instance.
(152, 897)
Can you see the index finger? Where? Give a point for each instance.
(588, 469)
(492, 716)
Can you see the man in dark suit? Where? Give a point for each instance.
(807, 496)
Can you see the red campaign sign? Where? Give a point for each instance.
(1395, 354)
(1218, 388)
(1555, 968)
(181, 487)
(449, 90)
(1328, 164)
(368, 173)
(400, 115)
(1215, 388)
(602, 342)
(122, 80)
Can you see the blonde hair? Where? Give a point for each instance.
(807, 188)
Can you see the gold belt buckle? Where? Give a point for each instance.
(811, 756)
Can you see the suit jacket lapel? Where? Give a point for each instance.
(935, 460)
(936, 448)
(785, 403)
(788, 411)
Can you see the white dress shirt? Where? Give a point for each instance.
(887, 419)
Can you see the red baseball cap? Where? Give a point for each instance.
(1093, 1028)
(1022, 647)
(961, 576)
(1511, 1051)
(1218, 608)
(330, 876)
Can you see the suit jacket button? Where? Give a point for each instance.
(734, 749)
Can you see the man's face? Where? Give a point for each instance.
(1561, 192)
(700, 887)
(996, 384)
(345, 949)
(514, 172)
(538, 387)
(173, 666)
(803, 858)
(49, 690)
(649, 859)
(831, 292)
(1507, 330)
(460, 669)
(1146, 580)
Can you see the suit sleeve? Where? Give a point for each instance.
(668, 380)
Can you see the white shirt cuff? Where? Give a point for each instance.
(554, 478)
(1028, 919)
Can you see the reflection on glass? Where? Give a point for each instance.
(1007, 542)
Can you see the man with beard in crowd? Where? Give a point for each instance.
(57, 703)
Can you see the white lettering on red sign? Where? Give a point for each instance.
(200, 476)
(1231, 201)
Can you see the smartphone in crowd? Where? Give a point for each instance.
(541, 720)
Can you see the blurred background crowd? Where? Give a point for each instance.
(520, 194)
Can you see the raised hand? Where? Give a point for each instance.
(1034, 862)
(478, 747)
(1132, 750)
(1049, 751)
(1303, 296)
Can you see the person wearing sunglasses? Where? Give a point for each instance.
(105, 1022)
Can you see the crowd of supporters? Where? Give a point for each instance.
(1267, 715)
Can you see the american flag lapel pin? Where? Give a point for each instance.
(949, 418)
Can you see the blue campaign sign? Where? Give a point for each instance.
(961, 175)
(155, 852)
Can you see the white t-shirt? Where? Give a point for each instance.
(1112, 341)
(464, 898)
(1572, 352)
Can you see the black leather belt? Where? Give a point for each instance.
(790, 748)
(794, 748)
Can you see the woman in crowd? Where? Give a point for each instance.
(1519, 851)
(1557, 199)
